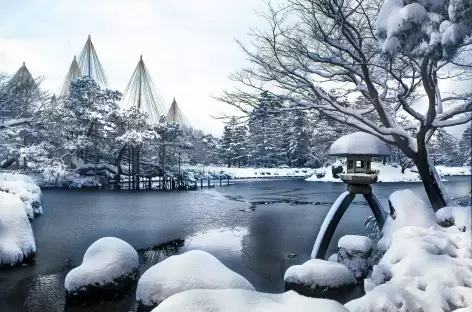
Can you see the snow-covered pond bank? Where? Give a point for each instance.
(254, 243)
(388, 173)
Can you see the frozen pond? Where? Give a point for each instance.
(250, 226)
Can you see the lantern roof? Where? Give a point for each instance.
(359, 144)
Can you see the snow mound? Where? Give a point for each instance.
(355, 242)
(458, 216)
(29, 193)
(194, 269)
(106, 260)
(406, 210)
(16, 236)
(386, 298)
(359, 143)
(320, 273)
(237, 300)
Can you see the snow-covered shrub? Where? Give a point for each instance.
(17, 244)
(237, 300)
(386, 298)
(29, 193)
(422, 260)
(319, 278)
(354, 252)
(458, 216)
(194, 269)
(109, 269)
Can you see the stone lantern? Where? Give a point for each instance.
(359, 148)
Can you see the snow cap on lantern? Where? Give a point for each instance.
(359, 148)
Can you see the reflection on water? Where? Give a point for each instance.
(286, 218)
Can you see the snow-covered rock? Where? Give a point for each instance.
(237, 300)
(456, 215)
(194, 269)
(29, 193)
(17, 244)
(319, 278)
(359, 143)
(109, 269)
(354, 251)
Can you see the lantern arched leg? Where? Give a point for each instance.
(379, 213)
(330, 223)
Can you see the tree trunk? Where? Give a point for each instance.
(432, 183)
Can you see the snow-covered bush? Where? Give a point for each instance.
(109, 269)
(458, 216)
(425, 267)
(17, 244)
(386, 298)
(237, 300)
(319, 278)
(194, 269)
(29, 193)
(354, 252)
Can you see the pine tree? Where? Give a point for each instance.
(465, 146)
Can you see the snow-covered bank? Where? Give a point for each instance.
(26, 189)
(17, 244)
(254, 173)
(390, 173)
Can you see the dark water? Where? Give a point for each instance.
(251, 227)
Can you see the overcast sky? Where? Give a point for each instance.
(187, 45)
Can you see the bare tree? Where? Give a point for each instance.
(328, 54)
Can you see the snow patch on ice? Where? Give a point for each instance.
(16, 235)
(237, 300)
(194, 269)
(105, 260)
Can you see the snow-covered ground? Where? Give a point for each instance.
(254, 173)
(389, 173)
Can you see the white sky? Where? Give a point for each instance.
(188, 45)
